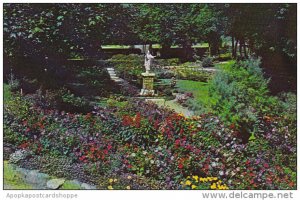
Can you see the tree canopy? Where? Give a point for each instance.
(55, 31)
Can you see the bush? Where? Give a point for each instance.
(187, 72)
(241, 95)
(167, 62)
(207, 62)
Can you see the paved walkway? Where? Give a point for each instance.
(173, 105)
(114, 77)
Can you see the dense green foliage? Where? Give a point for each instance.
(242, 97)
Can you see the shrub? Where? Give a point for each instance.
(187, 72)
(207, 62)
(167, 62)
(241, 94)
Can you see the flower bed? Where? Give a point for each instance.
(158, 145)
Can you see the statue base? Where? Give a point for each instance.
(148, 79)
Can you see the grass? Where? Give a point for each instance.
(224, 64)
(115, 47)
(156, 46)
(199, 90)
(13, 179)
(6, 92)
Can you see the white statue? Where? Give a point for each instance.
(148, 61)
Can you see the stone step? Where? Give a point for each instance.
(118, 80)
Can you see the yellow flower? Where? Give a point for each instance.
(181, 114)
(196, 178)
(110, 187)
(128, 187)
(181, 182)
(194, 186)
(111, 180)
(129, 177)
(188, 182)
(215, 178)
(213, 186)
(115, 180)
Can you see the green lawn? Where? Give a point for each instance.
(115, 47)
(6, 92)
(224, 63)
(199, 90)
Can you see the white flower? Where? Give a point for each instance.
(213, 164)
(133, 154)
(152, 161)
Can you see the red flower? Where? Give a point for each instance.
(180, 165)
(24, 145)
(251, 174)
(232, 126)
(181, 131)
(88, 116)
(82, 158)
(266, 165)
(109, 147)
(92, 149)
(138, 120)
(247, 162)
(291, 184)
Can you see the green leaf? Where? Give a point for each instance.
(252, 137)
(60, 17)
(92, 23)
(37, 30)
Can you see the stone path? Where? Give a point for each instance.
(173, 105)
(113, 76)
(125, 85)
(159, 101)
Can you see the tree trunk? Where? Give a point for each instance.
(245, 50)
(214, 42)
(235, 48)
(240, 48)
(187, 51)
(232, 47)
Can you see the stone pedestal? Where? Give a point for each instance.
(148, 79)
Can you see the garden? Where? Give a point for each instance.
(221, 125)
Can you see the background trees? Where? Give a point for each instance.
(45, 35)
